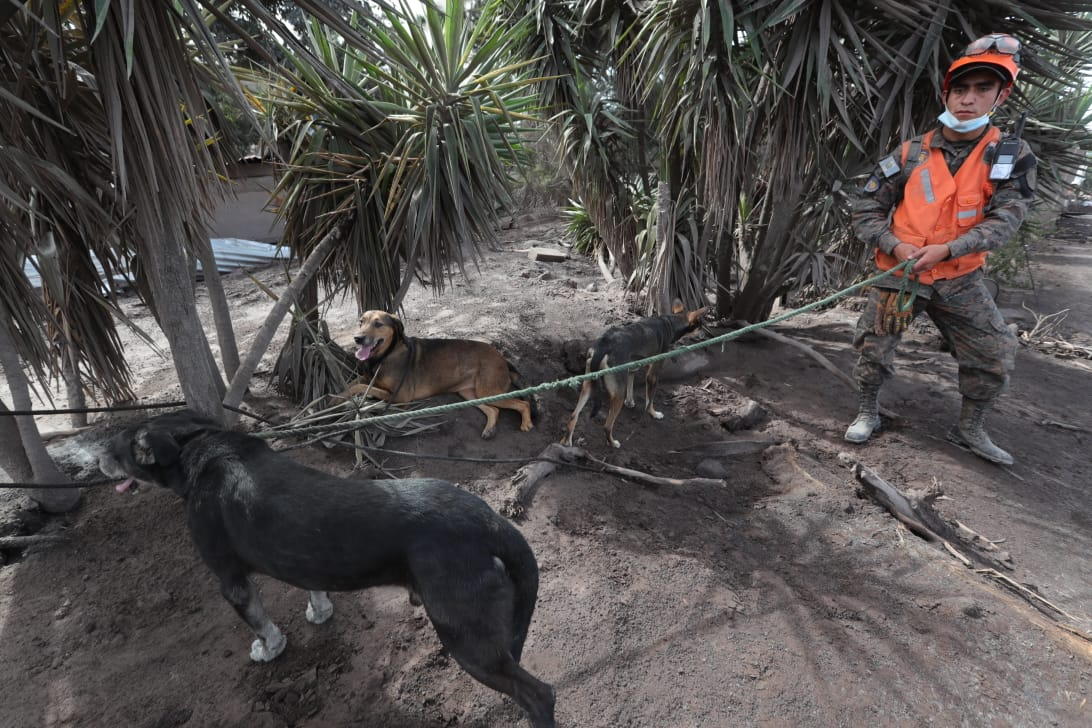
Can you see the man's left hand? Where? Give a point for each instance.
(928, 256)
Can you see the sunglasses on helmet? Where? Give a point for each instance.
(1000, 42)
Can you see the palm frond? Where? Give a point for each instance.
(411, 135)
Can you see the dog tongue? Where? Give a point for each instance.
(364, 352)
(123, 486)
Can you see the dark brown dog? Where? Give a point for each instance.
(401, 369)
(251, 510)
(629, 343)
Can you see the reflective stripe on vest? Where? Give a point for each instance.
(938, 207)
(927, 186)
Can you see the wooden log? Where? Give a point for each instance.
(918, 515)
(895, 502)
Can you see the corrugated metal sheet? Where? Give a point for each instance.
(231, 254)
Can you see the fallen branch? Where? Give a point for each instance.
(822, 360)
(915, 516)
(979, 540)
(1028, 594)
(892, 500)
(1046, 325)
(1062, 425)
(21, 542)
(527, 478)
(918, 515)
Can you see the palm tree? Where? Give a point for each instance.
(763, 111)
(405, 135)
(697, 133)
(108, 114)
(106, 158)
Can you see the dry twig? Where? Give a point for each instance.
(1028, 594)
(529, 476)
(1045, 336)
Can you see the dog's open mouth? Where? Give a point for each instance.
(125, 485)
(366, 350)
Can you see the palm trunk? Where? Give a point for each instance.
(22, 452)
(221, 312)
(263, 338)
(660, 293)
(170, 278)
(73, 387)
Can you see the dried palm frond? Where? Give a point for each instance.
(348, 421)
(311, 365)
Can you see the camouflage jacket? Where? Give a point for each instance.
(882, 192)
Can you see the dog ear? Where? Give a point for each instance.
(397, 325)
(677, 306)
(155, 448)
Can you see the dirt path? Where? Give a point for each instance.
(779, 599)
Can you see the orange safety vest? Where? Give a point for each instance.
(937, 208)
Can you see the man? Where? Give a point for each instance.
(944, 200)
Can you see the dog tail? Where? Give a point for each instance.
(518, 383)
(522, 568)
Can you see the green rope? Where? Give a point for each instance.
(905, 301)
(579, 379)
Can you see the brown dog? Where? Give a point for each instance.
(629, 343)
(401, 369)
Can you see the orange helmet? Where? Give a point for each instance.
(996, 52)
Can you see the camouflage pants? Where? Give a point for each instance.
(968, 319)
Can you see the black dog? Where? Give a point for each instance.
(629, 343)
(252, 510)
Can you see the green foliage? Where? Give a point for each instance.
(407, 132)
(580, 230)
(1010, 264)
(311, 365)
(776, 104)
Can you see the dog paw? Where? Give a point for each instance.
(319, 608)
(656, 415)
(262, 652)
(488, 434)
(615, 444)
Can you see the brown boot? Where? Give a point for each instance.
(971, 432)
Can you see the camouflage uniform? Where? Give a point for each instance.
(962, 308)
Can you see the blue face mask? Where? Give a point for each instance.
(949, 120)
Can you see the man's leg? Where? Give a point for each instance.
(985, 350)
(875, 365)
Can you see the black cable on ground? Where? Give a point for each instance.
(89, 410)
(85, 484)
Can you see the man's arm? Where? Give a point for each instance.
(871, 209)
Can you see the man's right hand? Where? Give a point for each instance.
(906, 251)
